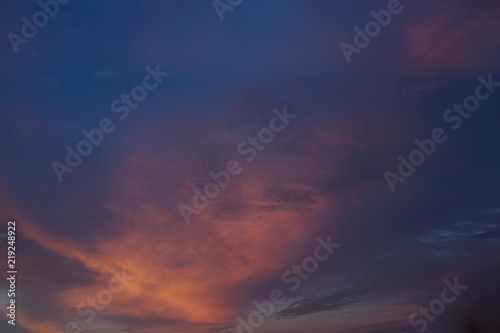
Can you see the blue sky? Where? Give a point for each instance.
(323, 174)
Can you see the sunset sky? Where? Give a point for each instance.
(322, 176)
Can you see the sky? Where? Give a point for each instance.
(251, 166)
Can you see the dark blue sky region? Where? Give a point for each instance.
(102, 240)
